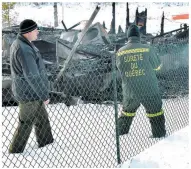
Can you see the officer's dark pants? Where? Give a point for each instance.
(31, 113)
(153, 106)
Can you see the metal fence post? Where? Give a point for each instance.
(115, 105)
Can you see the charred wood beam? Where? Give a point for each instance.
(88, 24)
(145, 22)
(136, 16)
(74, 26)
(162, 25)
(113, 15)
(7, 32)
(127, 17)
(64, 26)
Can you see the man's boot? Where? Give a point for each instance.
(158, 126)
(124, 123)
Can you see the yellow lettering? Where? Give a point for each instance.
(141, 56)
(141, 72)
(126, 59)
(134, 66)
(133, 58)
(127, 74)
(135, 72)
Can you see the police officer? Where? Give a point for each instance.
(30, 88)
(137, 64)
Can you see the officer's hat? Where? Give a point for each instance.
(133, 30)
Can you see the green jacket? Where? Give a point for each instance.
(136, 63)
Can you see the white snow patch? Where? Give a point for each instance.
(172, 152)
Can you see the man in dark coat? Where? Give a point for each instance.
(30, 88)
(137, 64)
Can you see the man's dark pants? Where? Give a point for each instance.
(31, 113)
(153, 106)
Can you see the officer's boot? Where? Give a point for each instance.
(124, 123)
(158, 126)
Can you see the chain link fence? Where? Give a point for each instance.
(84, 119)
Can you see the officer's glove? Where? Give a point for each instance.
(158, 68)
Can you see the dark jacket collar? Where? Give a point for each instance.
(134, 39)
(23, 39)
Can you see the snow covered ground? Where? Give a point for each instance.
(172, 152)
(85, 135)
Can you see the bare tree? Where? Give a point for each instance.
(7, 7)
(55, 14)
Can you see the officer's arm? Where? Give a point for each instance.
(32, 75)
(155, 60)
(118, 62)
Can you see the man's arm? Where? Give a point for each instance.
(118, 61)
(155, 60)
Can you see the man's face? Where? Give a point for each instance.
(33, 35)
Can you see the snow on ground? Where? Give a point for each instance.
(85, 135)
(172, 152)
(73, 14)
